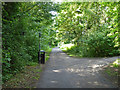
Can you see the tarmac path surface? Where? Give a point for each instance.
(63, 71)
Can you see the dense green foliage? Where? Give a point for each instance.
(20, 31)
(91, 26)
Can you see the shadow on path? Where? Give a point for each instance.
(62, 71)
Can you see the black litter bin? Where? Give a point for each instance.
(42, 57)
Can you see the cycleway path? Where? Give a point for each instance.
(63, 71)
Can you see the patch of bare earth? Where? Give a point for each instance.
(24, 79)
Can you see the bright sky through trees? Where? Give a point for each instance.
(53, 12)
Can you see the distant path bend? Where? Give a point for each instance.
(63, 71)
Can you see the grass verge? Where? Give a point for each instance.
(24, 79)
(112, 71)
(72, 54)
(67, 49)
(47, 55)
(28, 77)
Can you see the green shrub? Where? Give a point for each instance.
(96, 44)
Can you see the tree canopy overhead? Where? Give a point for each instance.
(20, 29)
(93, 28)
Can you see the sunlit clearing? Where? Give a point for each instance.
(56, 50)
(66, 46)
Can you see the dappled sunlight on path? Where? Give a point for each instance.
(63, 71)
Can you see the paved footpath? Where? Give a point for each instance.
(63, 71)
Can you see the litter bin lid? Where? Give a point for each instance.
(42, 51)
